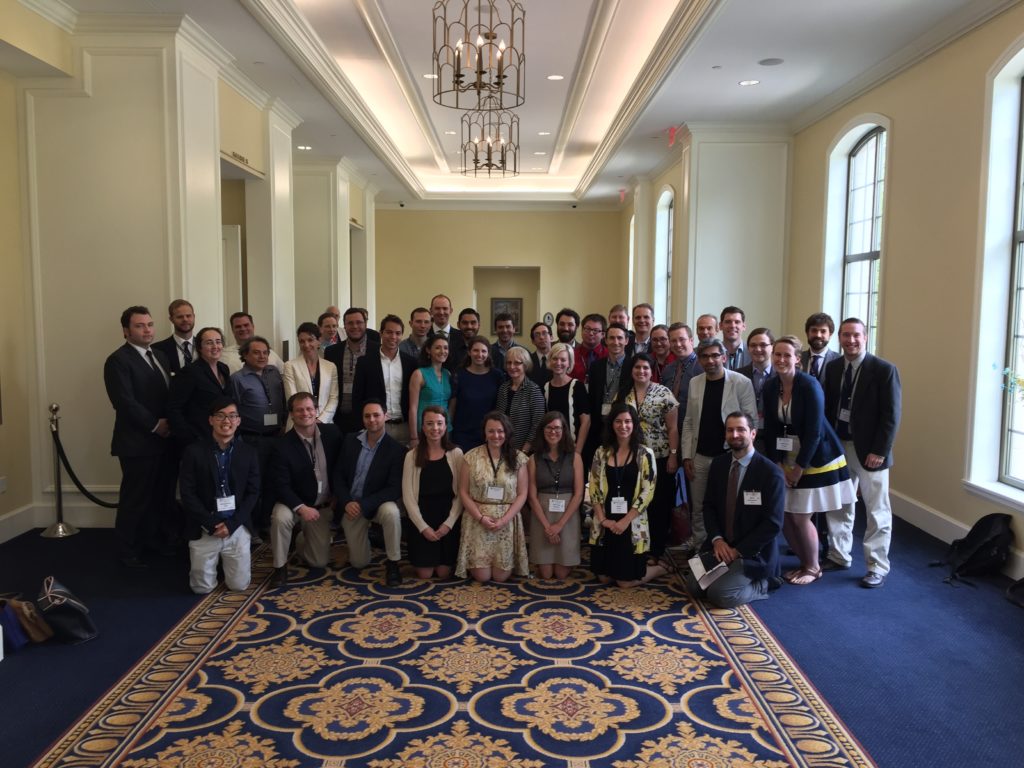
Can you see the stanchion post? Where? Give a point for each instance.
(59, 529)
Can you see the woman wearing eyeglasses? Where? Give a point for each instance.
(556, 492)
(196, 386)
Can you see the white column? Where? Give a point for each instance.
(643, 242)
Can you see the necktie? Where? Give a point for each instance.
(845, 394)
(186, 352)
(731, 490)
(815, 365)
(155, 367)
(543, 362)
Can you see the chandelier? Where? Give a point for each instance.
(478, 54)
(490, 141)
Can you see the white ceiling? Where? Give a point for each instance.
(353, 70)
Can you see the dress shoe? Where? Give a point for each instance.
(832, 565)
(281, 576)
(774, 582)
(133, 561)
(392, 574)
(873, 580)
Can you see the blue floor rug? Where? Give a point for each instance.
(336, 670)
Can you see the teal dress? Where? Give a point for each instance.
(434, 392)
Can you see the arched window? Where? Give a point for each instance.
(663, 234)
(862, 256)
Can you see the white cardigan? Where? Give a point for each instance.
(411, 488)
(296, 379)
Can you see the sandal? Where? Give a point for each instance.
(806, 577)
(790, 575)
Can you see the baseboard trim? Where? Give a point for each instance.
(945, 528)
(82, 515)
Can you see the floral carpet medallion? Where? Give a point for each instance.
(337, 671)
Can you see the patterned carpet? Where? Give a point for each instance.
(341, 672)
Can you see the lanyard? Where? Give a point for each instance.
(619, 470)
(311, 447)
(494, 466)
(557, 475)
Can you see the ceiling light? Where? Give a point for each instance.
(540, 154)
(543, 133)
(490, 141)
(430, 76)
(303, 147)
(449, 133)
(478, 58)
(749, 82)
(556, 77)
(537, 168)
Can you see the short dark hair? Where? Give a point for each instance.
(126, 316)
(643, 305)
(502, 317)
(594, 317)
(618, 308)
(179, 303)
(711, 343)
(236, 315)
(307, 327)
(324, 316)
(299, 396)
(680, 326)
(660, 327)
(618, 327)
(820, 318)
(417, 311)
(539, 324)
(199, 336)
(392, 319)
(468, 311)
(569, 313)
(244, 349)
(759, 331)
(219, 403)
(857, 320)
(731, 310)
(372, 401)
(355, 311)
(742, 415)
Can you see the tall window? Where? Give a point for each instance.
(863, 250)
(663, 234)
(1012, 449)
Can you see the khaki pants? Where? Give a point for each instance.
(357, 534)
(315, 546)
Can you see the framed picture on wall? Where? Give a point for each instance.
(513, 307)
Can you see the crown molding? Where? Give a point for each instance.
(679, 34)
(352, 173)
(201, 40)
(55, 12)
(122, 23)
(373, 17)
(283, 22)
(291, 118)
(592, 50)
(947, 31)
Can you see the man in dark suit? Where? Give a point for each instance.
(759, 344)
(862, 402)
(136, 379)
(345, 354)
(458, 342)
(540, 335)
(604, 379)
(300, 485)
(368, 485)
(819, 329)
(743, 512)
(385, 377)
(180, 347)
(220, 483)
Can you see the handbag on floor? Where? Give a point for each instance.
(66, 614)
(31, 621)
(14, 636)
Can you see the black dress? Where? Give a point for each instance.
(614, 556)
(435, 500)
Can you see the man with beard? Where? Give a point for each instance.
(180, 347)
(819, 329)
(243, 328)
(743, 513)
(345, 355)
(505, 327)
(458, 343)
(591, 347)
(566, 322)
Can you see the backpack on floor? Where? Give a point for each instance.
(983, 551)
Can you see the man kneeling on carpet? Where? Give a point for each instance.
(743, 513)
(220, 483)
(299, 477)
(368, 484)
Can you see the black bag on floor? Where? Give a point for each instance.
(983, 551)
(65, 613)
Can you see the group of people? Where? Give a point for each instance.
(488, 457)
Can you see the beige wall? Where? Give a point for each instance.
(243, 128)
(15, 321)
(27, 31)
(500, 283)
(930, 251)
(421, 253)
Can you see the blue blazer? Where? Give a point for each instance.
(818, 441)
(756, 525)
(291, 479)
(383, 478)
(876, 406)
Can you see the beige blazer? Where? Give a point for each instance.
(737, 395)
(296, 379)
(411, 488)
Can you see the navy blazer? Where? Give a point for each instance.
(383, 478)
(140, 400)
(818, 442)
(756, 526)
(169, 347)
(368, 383)
(290, 477)
(193, 391)
(349, 422)
(874, 410)
(199, 486)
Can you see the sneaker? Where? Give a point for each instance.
(832, 565)
(873, 580)
(392, 574)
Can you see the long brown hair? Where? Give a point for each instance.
(422, 449)
(565, 445)
(508, 451)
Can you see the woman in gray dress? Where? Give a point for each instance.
(556, 492)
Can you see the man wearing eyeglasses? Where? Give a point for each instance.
(220, 483)
(591, 347)
(712, 396)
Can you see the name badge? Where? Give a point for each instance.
(269, 419)
(784, 443)
(619, 506)
(752, 498)
(319, 487)
(346, 388)
(495, 493)
(226, 503)
(606, 408)
(556, 505)
(844, 415)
